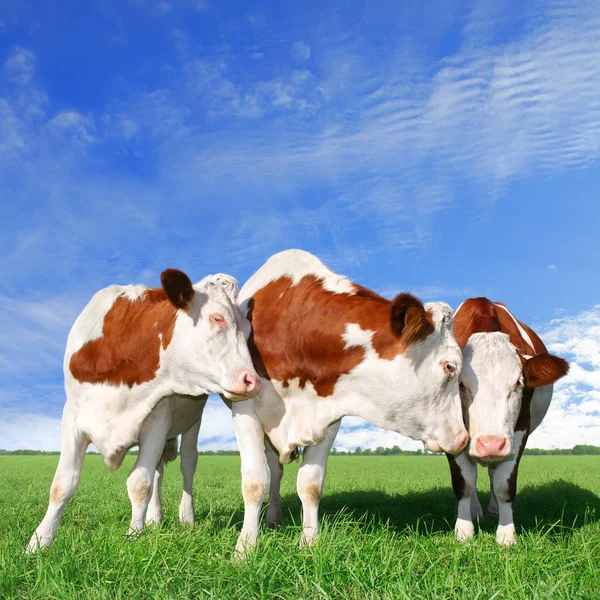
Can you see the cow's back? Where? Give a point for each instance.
(293, 264)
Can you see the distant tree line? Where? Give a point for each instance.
(579, 450)
(56, 452)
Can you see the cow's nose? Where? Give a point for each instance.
(249, 382)
(492, 446)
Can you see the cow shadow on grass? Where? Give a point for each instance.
(557, 508)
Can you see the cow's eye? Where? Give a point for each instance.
(217, 319)
(450, 368)
(518, 385)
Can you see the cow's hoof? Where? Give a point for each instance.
(187, 519)
(464, 530)
(134, 532)
(309, 537)
(274, 518)
(245, 546)
(38, 542)
(154, 519)
(506, 536)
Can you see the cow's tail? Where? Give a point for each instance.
(170, 452)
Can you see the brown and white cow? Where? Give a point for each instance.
(137, 360)
(506, 389)
(325, 348)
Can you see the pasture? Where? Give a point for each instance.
(387, 532)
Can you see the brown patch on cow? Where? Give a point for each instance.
(480, 315)
(56, 492)
(254, 492)
(476, 315)
(128, 351)
(544, 369)
(458, 481)
(140, 492)
(297, 330)
(512, 479)
(311, 493)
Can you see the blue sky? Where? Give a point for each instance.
(450, 150)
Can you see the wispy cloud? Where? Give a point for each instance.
(19, 67)
(301, 50)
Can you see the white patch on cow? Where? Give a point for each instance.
(133, 292)
(464, 530)
(506, 536)
(491, 369)
(354, 335)
(226, 282)
(522, 332)
(295, 264)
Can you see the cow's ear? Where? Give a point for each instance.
(544, 369)
(410, 321)
(178, 287)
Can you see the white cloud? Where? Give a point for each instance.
(552, 267)
(356, 432)
(217, 431)
(29, 432)
(19, 67)
(574, 415)
(301, 50)
(72, 126)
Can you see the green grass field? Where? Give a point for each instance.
(386, 533)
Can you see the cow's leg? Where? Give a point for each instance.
(154, 516)
(153, 437)
(255, 471)
(274, 516)
(66, 480)
(493, 505)
(311, 477)
(464, 484)
(505, 487)
(189, 460)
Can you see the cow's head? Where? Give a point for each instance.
(494, 383)
(435, 363)
(213, 342)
